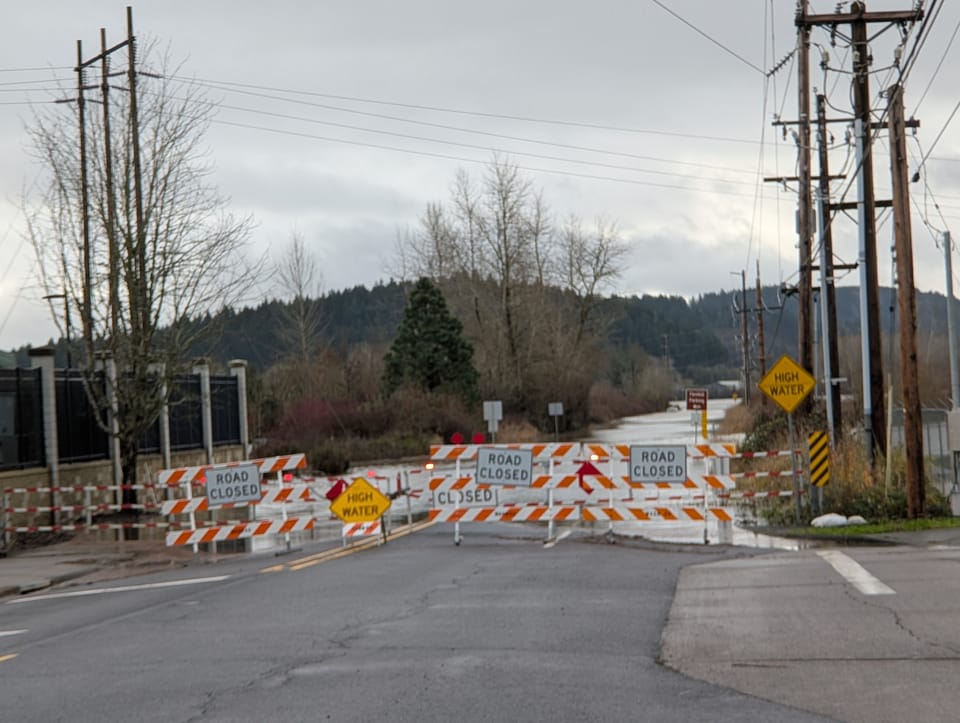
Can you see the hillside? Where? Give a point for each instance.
(700, 336)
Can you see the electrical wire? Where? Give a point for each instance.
(710, 38)
(430, 154)
(239, 87)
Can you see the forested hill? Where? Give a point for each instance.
(696, 334)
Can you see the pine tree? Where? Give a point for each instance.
(429, 351)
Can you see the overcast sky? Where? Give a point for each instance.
(614, 108)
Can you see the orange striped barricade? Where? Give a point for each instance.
(625, 513)
(628, 513)
(361, 529)
(239, 531)
(234, 484)
(459, 499)
(506, 513)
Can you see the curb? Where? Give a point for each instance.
(42, 583)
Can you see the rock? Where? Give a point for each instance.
(831, 519)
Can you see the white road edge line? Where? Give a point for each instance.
(854, 573)
(562, 536)
(124, 588)
(4, 633)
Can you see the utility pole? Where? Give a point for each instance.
(858, 18)
(951, 331)
(906, 299)
(140, 314)
(873, 409)
(761, 345)
(828, 294)
(86, 312)
(804, 207)
(113, 274)
(745, 338)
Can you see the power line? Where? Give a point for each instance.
(710, 38)
(473, 145)
(229, 85)
(443, 156)
(441, 126)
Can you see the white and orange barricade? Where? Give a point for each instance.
(361, 529)
(180, 476)
(541, 451)
(240, 530)
(186, 478)
(626, 513)
(506, 513)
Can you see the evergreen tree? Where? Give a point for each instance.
(429, 351)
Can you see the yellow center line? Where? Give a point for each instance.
(337, 553)
(5, 658)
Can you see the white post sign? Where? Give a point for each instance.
(229, 485)
(658, 463)
(498, 466)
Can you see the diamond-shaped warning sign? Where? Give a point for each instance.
(787, 383)
(360, 502)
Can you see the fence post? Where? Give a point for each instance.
(42, 359)
(106, 362)
(7, 539)
(163, 421)
(238, 369)
(202, 369)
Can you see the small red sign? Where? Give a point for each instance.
(697, 399)
(338, 487)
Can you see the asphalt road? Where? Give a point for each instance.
(500, 628)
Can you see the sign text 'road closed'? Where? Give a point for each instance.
(658, 463)
(239, 484)
(499, 466)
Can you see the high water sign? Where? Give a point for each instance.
(787, 383)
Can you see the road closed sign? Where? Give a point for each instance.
(232, 485)
(499, 466)
(657, 463)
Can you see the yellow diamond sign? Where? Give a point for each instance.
(360, 502)
(787, 383)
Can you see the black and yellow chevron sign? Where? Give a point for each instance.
(819, 459)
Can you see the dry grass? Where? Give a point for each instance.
(737, 420)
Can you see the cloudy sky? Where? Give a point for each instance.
(342, 119)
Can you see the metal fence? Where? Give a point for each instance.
(936, 445)
(21, 419)
(80, 437)
(225, 410)
(80, 433)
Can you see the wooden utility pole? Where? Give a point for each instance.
(140, 315)
(858, 18)
(874, 412)
(828, 294)
(745, 337)
(114, 273)
(761, 348)
(804, 202)
(761, 343)
(84, 210)
(907, 305)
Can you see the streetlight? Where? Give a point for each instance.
(66, 316)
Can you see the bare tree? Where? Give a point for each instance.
(137, 238)
(526, 292)
(301, 323)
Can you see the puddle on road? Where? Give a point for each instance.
(693, 534)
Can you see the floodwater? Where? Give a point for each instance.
(668, 427)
